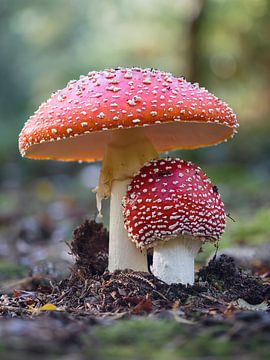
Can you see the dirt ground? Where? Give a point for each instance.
(98, 315)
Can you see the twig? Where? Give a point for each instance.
(139, 277)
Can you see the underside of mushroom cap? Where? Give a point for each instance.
(76, 122)
(172, 198)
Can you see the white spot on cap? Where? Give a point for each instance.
(147, 81)
(101, 115)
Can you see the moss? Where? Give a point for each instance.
(209, 344)
(159, 340)
(163, 339)
(139, 339)
(11, 270)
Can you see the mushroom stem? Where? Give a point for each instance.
(123, 253)
(173, 261)
(125, 155)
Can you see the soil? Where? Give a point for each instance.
(90, 248)
(91, 289)
(90, 296)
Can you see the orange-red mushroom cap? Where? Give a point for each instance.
(77, 121)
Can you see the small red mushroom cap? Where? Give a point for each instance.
(75, 123)
(172, 197)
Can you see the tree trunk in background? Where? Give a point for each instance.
(195, 57)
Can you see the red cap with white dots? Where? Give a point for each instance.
(172, 197)
(76, 123)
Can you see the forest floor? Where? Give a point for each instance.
(68, 307)
(130, 315)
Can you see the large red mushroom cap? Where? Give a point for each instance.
(172, 197)
(76, 122)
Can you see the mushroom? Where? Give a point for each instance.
(124, 117)
(173, 207)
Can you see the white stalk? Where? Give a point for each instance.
(123, 253)
(173, 260)
(126, 154)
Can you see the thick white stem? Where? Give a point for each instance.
(125, 155)
(173, 260)
(123, 254)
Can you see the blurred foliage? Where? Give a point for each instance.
(253, 229)
(9, 270)
(246, 229)
(223, 44)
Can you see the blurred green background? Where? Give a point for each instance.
(222, 44)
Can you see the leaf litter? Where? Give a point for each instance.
(92, 296)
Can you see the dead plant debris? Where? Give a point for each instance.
(52, 316)
(92, 290)
(90, 246)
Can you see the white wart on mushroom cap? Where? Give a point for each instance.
(172, 197)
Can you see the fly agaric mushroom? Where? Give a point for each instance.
(124, 117)
(173, 207)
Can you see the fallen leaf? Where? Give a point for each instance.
(242, 304)
(175, 305)
(16, 293)
(181, 319)
(144, 306)
(231, 308)
(48, 307)
(32, 309)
